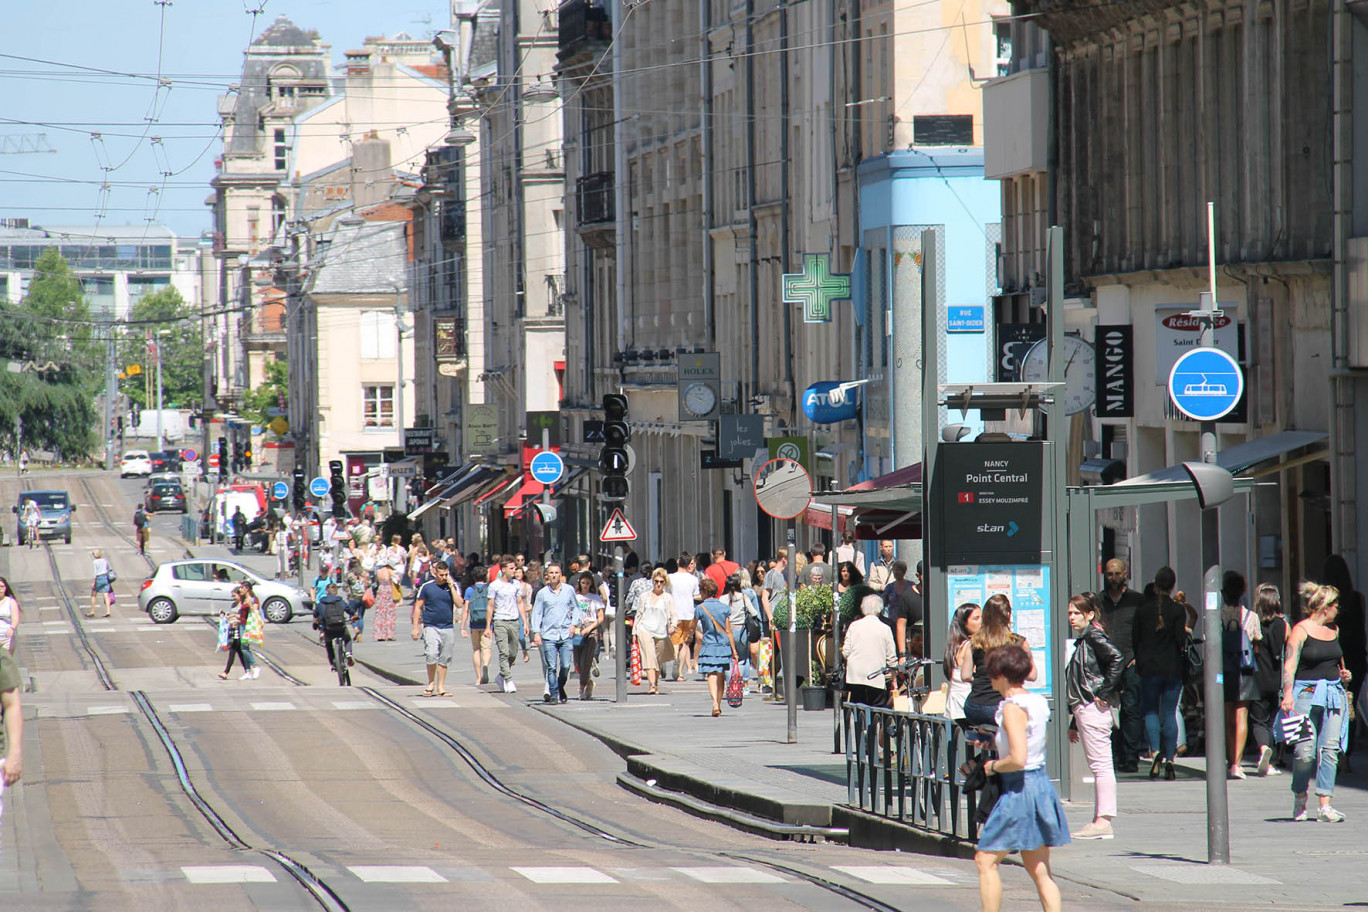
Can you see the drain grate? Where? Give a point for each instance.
(1202, 874)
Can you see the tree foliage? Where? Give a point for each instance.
(54, 357)
(272, 393)
(182, 350)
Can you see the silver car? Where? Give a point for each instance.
(205, 587)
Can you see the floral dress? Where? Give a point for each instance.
(384, 608)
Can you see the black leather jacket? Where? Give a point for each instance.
(1094, 671)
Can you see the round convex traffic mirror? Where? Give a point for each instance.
(783, 488)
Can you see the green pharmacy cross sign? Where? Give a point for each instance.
(816, 287)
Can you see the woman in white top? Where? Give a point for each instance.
(655, 621)
(1027, 817)
(9, 615)
(868, 648)
(966, 622)
(103, 586)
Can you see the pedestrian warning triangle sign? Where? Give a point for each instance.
(618, 529)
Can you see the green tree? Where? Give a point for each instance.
(182, 350)
(272, 393)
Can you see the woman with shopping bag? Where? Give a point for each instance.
(1314, 679)
(717, 651)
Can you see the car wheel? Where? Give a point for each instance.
(277, 611)
(162, 611)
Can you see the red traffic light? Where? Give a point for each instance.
(615, 407)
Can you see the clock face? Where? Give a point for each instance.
(1080, 371)
(699, 399)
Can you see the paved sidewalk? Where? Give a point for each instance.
(743, 761)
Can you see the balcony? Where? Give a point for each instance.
(453, 219)
(594, 193)
(581, 21)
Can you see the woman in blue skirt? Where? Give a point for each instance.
(1028, 817)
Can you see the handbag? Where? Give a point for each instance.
(368, 598)
(111, 575)
(989, 788)
(1192, 657)
(636, 663)
(398, 593)
(736, 686)
(256, 631)
(223, 632)
(1292, 728)
(766, 662)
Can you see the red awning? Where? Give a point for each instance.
(874, 522)
(530, 489)
(906, 475)
(508, 485)
(820, 517)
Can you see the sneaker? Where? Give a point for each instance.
(1098, 829)
(1265, 759)
(1299, 808)
(256, 672)
(509, 686)
(350, 660)
(501, 682)
(1328, 814)
(1235, 772)
(546, 698)
(246, 676)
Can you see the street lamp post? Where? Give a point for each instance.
(160, 333)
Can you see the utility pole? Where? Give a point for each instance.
(111, 392)
(158, 345)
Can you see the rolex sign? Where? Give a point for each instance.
(829, 402)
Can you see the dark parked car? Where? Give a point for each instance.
(165, 460)
(166, 495)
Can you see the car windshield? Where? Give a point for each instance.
(166, 490)
(48, 500)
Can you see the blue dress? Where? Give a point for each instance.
(715, 655)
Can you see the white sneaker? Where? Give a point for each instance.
(1299, 808)
(509, 686)
(246, 676)
(1265, 758)
(1328, 814)
(256, 670)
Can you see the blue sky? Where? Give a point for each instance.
(200, 44)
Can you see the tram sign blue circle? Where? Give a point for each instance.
(1206, 384)
(547, 467)
(320, 487)
(280, 490)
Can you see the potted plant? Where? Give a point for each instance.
(813, 611)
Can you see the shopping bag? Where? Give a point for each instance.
(223, 632)
(636, 663)
(766, 661)
(256, 631)
(113, 599)
(1292, 728)
(736, 686)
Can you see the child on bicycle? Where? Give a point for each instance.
(330, 617)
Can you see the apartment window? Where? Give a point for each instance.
(377, 405)
(377, 334)
(1002, 45)
(281, 150)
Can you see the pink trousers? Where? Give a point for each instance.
(1094, 730)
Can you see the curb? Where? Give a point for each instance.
(735, 819)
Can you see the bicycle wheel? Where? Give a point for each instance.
(340, 660)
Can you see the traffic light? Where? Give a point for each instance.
(247, 454)
(614, 459)
(223, 458)
(299, 490)
(339, 487)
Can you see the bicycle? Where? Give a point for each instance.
(905, 673)
(341, 659)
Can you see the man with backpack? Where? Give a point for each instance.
(140, 529)
(476, 623)
(330, 616)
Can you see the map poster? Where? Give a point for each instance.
(1027, 587)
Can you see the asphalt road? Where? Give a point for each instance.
(362, 788)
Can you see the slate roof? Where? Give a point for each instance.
(363, 259)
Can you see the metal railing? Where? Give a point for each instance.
(905, 766)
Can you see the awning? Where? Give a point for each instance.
(885, 507)
(479, 485)
(494, 490)
(530, 489)
(1247, 457)
(469, 474)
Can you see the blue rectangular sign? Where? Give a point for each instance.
(965, 319)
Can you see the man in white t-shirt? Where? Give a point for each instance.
(684, 590)
(507, 605)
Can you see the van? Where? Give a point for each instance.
(54, 516)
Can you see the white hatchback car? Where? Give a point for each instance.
(199, 587)
(135, 462)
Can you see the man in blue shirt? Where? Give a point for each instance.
(434, 619)
(553, 615)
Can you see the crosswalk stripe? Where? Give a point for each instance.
(190, 707)
(272, 707)
(106, 710)
(396, 874)
(565, 875)
(226, 874)
(729, 874)
(354, 704)
(884, 874)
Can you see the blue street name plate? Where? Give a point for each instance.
(1206, 384)
(965, 319)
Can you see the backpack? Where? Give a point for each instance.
(477, 604)
(139, 518)
(334, 611)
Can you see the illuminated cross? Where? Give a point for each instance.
(816, 287)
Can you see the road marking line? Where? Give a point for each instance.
(729, 874)
(190, 708)
(396, 874)
(1202, 874)
(353, 704)
(882, 874)
(431, 703)
(226, 874)
(105, 710)
(54, 622)
(272, 707)
(565, 875)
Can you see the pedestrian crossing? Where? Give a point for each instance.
(238, 704)
(586, 875)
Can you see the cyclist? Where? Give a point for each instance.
(31, 515)
(140, 528)
(330, 616)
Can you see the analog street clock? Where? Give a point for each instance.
(699, 399)
(1080, 371)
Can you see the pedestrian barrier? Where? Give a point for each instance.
(905, 767)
